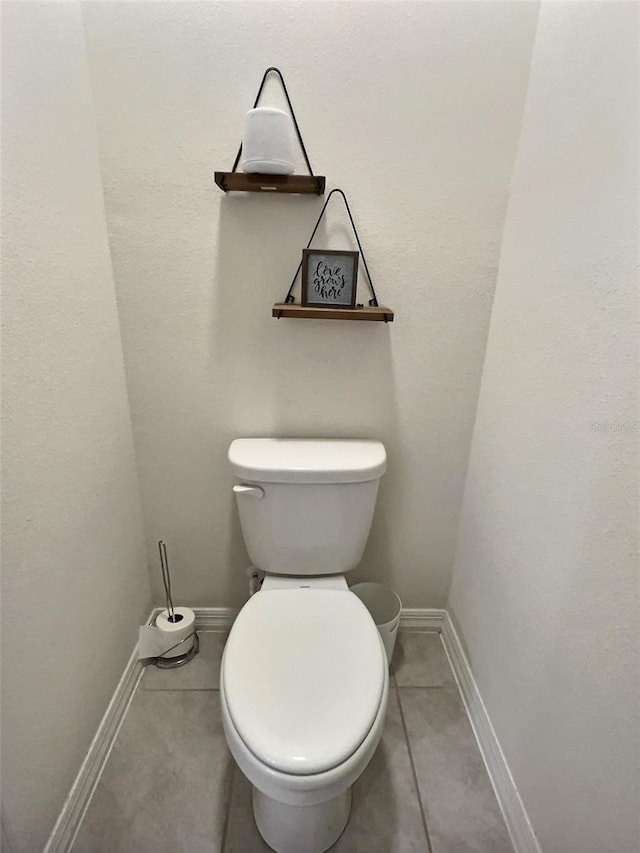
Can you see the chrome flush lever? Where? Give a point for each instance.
(254, 492)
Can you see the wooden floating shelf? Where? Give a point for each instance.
(255, 183)
(379, 314)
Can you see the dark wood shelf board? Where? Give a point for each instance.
(379, 314)
(255, 183)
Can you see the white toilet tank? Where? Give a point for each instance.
(306, 505)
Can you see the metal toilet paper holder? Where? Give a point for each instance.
(163, 662)
(179, 660)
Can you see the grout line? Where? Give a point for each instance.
(181, 689)
(424, 629)
(413, 771)
(227, 813)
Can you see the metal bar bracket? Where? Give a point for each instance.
(373, 302)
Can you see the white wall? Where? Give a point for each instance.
(414, 109)
(75, 584)
(545, 584)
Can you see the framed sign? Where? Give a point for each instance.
(329, 278)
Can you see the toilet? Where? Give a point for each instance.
(304, 678)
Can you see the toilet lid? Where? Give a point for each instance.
(303, 675)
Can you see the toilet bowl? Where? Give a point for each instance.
(304, 678)
(303, 719)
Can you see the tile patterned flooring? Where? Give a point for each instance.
(170, 784)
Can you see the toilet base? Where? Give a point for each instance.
(301, 829)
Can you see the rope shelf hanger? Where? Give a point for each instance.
(251, 182)
(374, 310)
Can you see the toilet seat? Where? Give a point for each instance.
(303, 675)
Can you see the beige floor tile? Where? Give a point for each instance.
(419, 660)
(166, 783)
(201, 673)
(461, 809)
(242, 833)
(385, 815)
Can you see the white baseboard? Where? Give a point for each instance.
(515, 815)
(422, 618)
(215, 618)
(221, 618)
(77, 802)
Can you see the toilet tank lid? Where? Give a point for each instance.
(307, 460)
